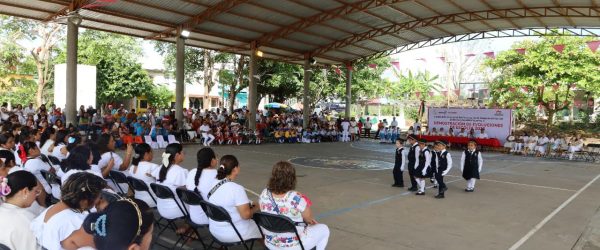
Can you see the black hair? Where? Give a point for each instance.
(19, 180)
(81, 186)
(172, 149)
(60, 137)
(102, 143)
(399, 139)
(228, 163)
(25, 134)
(140, 151)
(46, 135)
(117, 226)
(204, 157)
(95, 153)
(28, 145)
(4, 137)
(78, 159)
(8, 157)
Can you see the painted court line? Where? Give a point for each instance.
(522, 184)
(551, 215)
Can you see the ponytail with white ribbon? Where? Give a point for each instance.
(165, 159)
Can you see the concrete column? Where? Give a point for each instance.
(71, 102)
(306, 99)
(252, 92)
(179, 80)
(348, 89)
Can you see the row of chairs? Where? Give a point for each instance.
(589, 153)
(270, 222)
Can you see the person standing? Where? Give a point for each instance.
(471, 163)
(443, 164)
(422, 169)
(368, 126)
(413, 161)
(345, 130)
(400, 161)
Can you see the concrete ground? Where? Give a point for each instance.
(519, 203)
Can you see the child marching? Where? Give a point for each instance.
(400, 161)
(443, 164)
(413, 161)
(471, 163)
(422, 170)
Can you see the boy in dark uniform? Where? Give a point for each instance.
(423, 165)
(443, 164)
(400, 161)
(413, 158)
(471, 163)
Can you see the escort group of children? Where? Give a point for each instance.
(423, 163)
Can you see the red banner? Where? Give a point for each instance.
(559, 47)
(520, 51)
(593, 45)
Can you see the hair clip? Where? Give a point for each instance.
(222, 166)
(136, 155)
(100, 226)
(4, 188)
(165, 160)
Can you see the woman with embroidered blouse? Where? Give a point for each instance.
(280, 198)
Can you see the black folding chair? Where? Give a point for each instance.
(140, 186)
(164, 192)
(51, 179)
(118, 178)
(53, 160)
(109, 197)
(277, 224)
(190, 198)
(219, 214)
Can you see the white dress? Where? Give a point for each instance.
(34, 166)
(103, 162)
(16, 233)
(49, 234)
(46, 146)
(229, 196)
(176, 177)
(205, 184)
(144, 173)
(57, 152)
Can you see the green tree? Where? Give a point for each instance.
(410, 84)
(278, 79)
(119, 75)
(160, 97)
(543, 76)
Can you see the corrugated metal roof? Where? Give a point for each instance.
(335, 31)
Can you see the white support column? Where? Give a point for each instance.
(306, 96)
(348, 88)
(252, 91)
(179, 80)
(71, 86)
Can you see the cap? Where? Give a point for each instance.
(411, 137)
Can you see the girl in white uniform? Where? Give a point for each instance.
(34, 165)
(200, 180)
(575, 146)
(106, 146)
(232, 197)
(20, 193)
(172, 175)
(47, 140)
(280, 198)
(53, 226)
(142, 169)
(59, 148)
(79, 160)
(7, 142)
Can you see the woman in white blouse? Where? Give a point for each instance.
(201, 180)
(47, 140)
(232, 197)
(35, 165)
(59, 148)
(79, 194)
(142, 168)
(106, 146)
(280, 198)
(172, 175)
(15, 218)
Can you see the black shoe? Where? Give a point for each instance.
(435, 186)
(420, 193)
(440, 196)
(431, 180)
(467, 190)
(397, 185)
(472, 190)
(412, 189)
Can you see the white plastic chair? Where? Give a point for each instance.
(148, 139)
(161, 141)
(172, 139)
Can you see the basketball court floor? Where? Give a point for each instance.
(519, 203)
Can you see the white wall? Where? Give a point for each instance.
(86, 85)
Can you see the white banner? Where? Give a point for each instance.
(497, 122)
